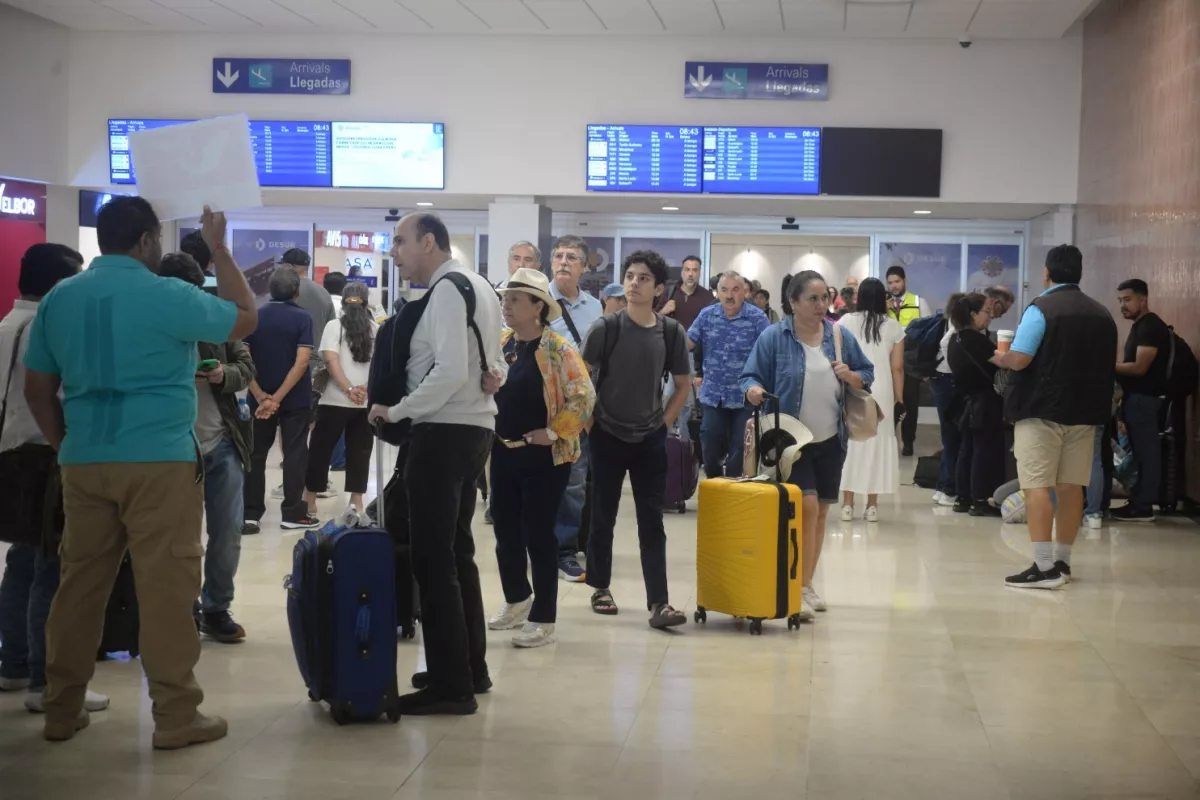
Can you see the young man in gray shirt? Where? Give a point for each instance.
(631, 353)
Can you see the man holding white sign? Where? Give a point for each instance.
(121, 342)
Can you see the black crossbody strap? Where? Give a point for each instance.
(566, 315)
(12, 365)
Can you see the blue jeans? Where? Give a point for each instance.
(570, 510)
(1141, 413)
(722, 439)
(1095, 487)
(224, 477)
(26, 592)
(943, 394)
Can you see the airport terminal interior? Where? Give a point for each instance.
(959, 140)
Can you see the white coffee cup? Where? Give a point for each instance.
(1004, 340)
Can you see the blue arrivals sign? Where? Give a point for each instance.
(281, 75)
(739, 80)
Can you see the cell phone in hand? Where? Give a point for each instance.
(208, 365)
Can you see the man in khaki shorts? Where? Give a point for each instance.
(1060, 390)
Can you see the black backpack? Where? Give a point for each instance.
(387, 383)
(612, 334)
(1183, 373)
(923, 345)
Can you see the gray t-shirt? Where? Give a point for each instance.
(319, 305)
(630, 401)
(210, 428)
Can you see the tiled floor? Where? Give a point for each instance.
(927, 678)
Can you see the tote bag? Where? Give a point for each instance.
(860, 411)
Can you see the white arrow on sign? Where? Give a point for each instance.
(227, 78)
(700, 81)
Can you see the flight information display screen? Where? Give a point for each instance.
(756, 160)
(376, 155)
(643, 158)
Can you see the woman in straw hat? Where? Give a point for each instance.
(542, 408)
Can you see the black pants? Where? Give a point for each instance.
(293, 428)
(646, 464)
(980, 462)
(332, 421)
(527, 489)
(1143, 414)
(444, 462)
(912, 403)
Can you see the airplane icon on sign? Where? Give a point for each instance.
(260, 76)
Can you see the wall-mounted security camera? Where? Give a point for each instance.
(789, 224)
(965, 41)
(393, 215)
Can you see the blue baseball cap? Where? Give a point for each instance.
(613, 290)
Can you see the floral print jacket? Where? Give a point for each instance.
(567, 389)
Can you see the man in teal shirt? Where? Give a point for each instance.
(121, 344)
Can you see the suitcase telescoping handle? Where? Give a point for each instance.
(380, 483)
(758, 431)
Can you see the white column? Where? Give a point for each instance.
(62, 215)
(510, 220)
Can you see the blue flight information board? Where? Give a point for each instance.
(755, 160)
(292, 153)
(644, 158)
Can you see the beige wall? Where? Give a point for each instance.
(769, 259)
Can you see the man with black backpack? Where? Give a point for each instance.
(447, 366)
(630, 434)
(1142, 373)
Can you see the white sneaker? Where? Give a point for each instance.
(92, 701)
(810, 596)
(512, 615)
(277, 492)
(847, 513)
(937, 497)
(943, 499)
(13, 684)
(1094, 521)
(872, 514)
(535, 634)
(806, 614)
(329, 491)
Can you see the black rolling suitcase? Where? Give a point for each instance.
(1171, 454)
(121, 621)
(408, 609)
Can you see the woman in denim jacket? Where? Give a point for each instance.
(795, 360)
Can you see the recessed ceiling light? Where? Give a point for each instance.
(670, 208)
(424, 205)
(922, 211)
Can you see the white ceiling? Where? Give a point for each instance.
(984, 19)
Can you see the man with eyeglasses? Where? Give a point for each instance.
(579, 310)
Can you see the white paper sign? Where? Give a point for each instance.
(182, 168)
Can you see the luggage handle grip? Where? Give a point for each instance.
(380, 483)
(795, 555)
(362, 629)
(758, 431)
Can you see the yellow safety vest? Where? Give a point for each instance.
(910, 309)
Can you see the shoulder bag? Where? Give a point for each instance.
(860, 411)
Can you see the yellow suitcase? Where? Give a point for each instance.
(748, 551)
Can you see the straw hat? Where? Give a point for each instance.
(533, 282)
(781, 445)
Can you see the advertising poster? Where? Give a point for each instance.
(257, 251)
(996, 265)
(934, 270)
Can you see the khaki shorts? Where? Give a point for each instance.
(1049, 454)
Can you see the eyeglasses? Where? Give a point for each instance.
(571, 257)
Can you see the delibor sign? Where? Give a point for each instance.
(22, 201)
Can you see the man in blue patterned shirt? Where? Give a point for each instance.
(727, 333)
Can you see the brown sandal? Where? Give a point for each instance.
(602, 603)
(666, 617)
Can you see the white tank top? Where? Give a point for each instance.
(821, 404)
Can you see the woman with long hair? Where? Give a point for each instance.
(346, 347)
(980, 414)
(796, 360)
(541, 410)
(873, 467)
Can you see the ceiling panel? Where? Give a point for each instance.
(326, 14)
(1027, 18)
(757, 16)
(627, 16)
(940, 17)
(689, 16)
(446, 16)
(566, 16)
(506, 16)
(84, 15)
(386, 15)
(814, 17)
(876, 19)
(265, 12)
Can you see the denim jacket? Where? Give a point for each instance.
(777, 365)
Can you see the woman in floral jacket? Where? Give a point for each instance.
(542, 408)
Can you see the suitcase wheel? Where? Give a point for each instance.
(756, 627)
(408, 631)
(701, 615)
(340, 714)
(794, 622)
(312, 698)
(393, 713)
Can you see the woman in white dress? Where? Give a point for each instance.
(873, 467)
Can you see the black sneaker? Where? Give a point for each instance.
(1064, 568)
(426, 703)
(1127, 513)
(962, 505)
(420, 680)
(907, 451)
(982, 508)
(250, 527)
(220, 626)
(306, 521)
(1034, 578)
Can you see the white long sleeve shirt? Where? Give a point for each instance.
(444, 381)
(19, 425)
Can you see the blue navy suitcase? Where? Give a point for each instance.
(341, 608)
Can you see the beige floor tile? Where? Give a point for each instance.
(513, 766)
(18, 783)
(850, 776)
(226, 786)
(1188, 750)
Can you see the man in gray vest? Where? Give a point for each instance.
(1059, 391)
